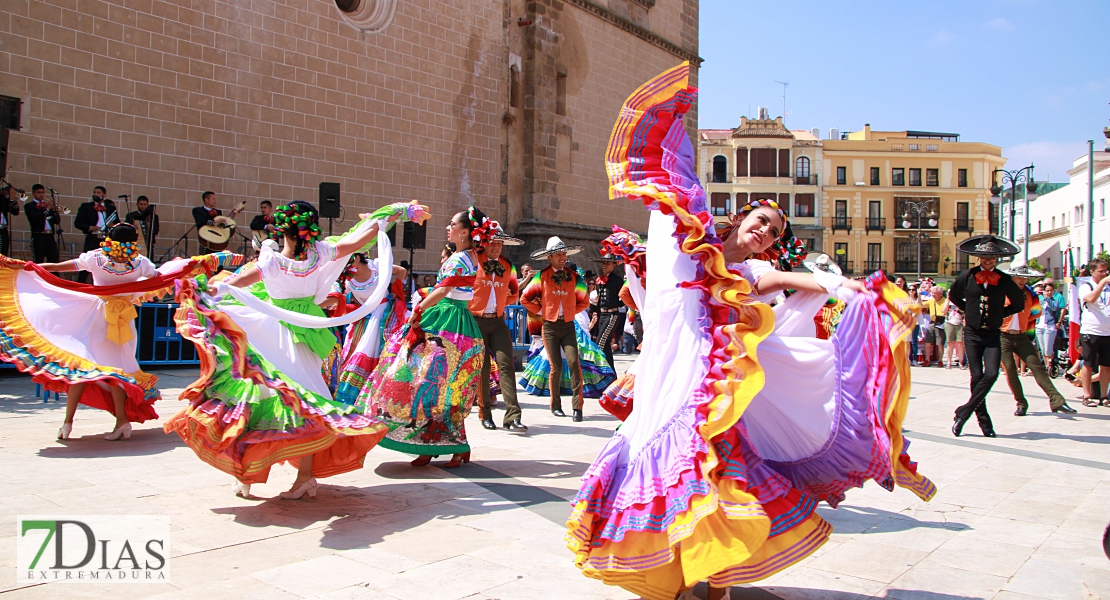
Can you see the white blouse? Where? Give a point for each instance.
(105, 271)
(313, 276)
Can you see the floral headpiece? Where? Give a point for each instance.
(296, 217)
(483, 228)
(120, 252)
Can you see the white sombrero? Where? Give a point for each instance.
(554, 244)
(1019, 268)
(821, 262)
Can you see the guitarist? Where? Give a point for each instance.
(206, 215)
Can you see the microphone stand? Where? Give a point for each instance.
(183, 238)
(126, 199)
(58, 239)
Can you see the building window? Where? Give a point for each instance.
(784, 203)
(763, 162)
(841, 257)
(801, 170)
(915, 146)
(931, 177)
(741, 162)
(874, 258)
(1054, 222)
(10, 112)
(1038, 225)
(905, 255)
(784, 163)
(803, 205)
(841, 175)
(898, 176)
(915, 176)
(1102, 207)
(719, 202)
(514, 86)
(874, 175)
(961, 178)
(931, 147)
(720, 169)
(741, 199)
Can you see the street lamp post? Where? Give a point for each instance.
(918, 209)
(1014, 178)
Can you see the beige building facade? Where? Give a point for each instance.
(762, 159)
(875, 184)
(507, 105)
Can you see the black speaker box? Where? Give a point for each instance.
(329, 200)
(416, 236)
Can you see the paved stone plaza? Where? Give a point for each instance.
(1015, 518)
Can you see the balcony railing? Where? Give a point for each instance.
(870, 266)
(807, 180)
(842, 223)
(959, 225)
(718, 178)
(875, 224)
(910, 266)
(845, 267)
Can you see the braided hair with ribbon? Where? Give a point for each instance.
(121, 244)
(482, 228)
(299, 222)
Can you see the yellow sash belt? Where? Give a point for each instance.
(119, 312)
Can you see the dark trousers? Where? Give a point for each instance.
(559, 335)
(1020, 344)
(92, 242)
(983, 348)
(610, 326)
(45, 247)
(499, 342)
(5, 242)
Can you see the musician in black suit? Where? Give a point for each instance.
(205, 215)
(147, 219)
(45, 222)
(93, 218)
(982, 293)
(611, 310)
(8, 208)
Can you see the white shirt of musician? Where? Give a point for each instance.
(100, 218)
(46, 221)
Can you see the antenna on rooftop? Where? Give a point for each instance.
(783, 84)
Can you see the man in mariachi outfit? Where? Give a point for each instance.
(986, 296)
(610, 309)
(93, 219)
(1016, 331)
(496, 287)
(557, 294)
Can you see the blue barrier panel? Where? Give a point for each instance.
(159, 342)
(516, 317)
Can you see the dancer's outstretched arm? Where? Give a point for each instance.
(777, 281)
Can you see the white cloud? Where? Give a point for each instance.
(942, 37)
(1052, 159)
(1001, 24)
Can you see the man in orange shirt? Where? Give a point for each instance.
(496, 287)
(557, 294)
(1017, 332)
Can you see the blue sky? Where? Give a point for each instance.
(1031, 76)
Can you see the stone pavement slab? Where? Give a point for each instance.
(1016, 517)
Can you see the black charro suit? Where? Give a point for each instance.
(86, 219)
(984, 308)
(43, 242)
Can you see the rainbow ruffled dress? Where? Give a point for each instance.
(362, 346)
(64, 333)
(426, 383)
(262, 396)
(717, 471)
(597, 375)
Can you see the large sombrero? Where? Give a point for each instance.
(987, 246)
(821, 262)
(1019, 268)
(608, 258)
(507, 240)
(554, 245)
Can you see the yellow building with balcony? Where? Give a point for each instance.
(762, 159)
(900, 201)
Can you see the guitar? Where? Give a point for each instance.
(217, 236)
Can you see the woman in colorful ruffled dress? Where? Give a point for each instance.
(80, 339)
(262, 397)
(362, 346)
(738, 429)
(597, 375)
(427, 379)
